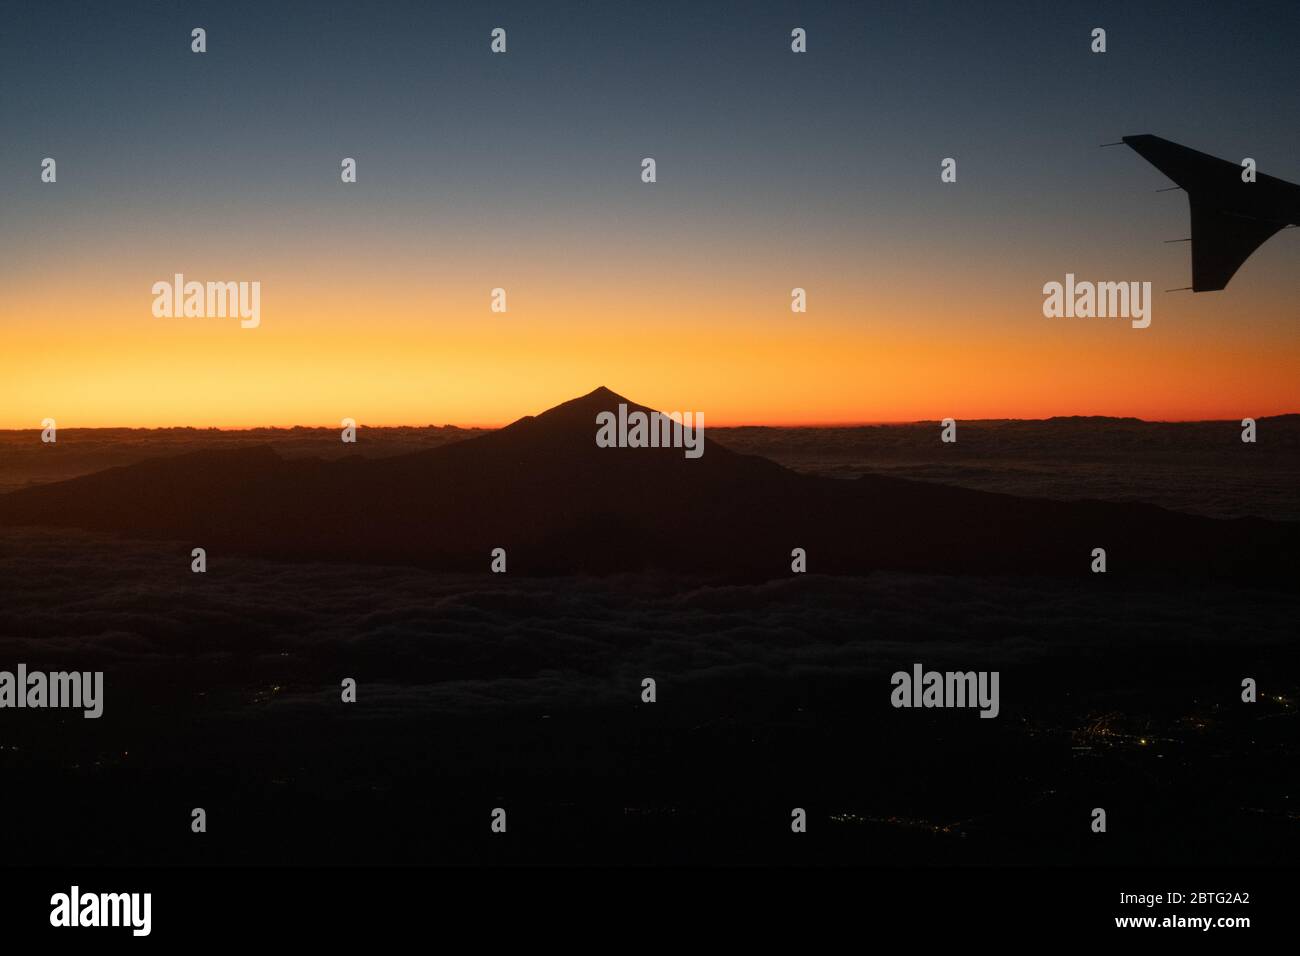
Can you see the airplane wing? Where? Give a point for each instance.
(1230, 218)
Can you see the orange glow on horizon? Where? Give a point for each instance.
(88, 353)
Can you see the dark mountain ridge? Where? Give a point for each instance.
(542, 489)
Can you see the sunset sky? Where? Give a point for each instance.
(522, 171)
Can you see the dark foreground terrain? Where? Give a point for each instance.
(483, 691)
(523, 690)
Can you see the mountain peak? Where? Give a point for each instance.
(598, 398)
(582, 409)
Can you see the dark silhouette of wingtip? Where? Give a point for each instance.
(1231, 216)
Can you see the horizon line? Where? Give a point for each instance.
(863, 423)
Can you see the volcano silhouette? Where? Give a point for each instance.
(543, 490)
